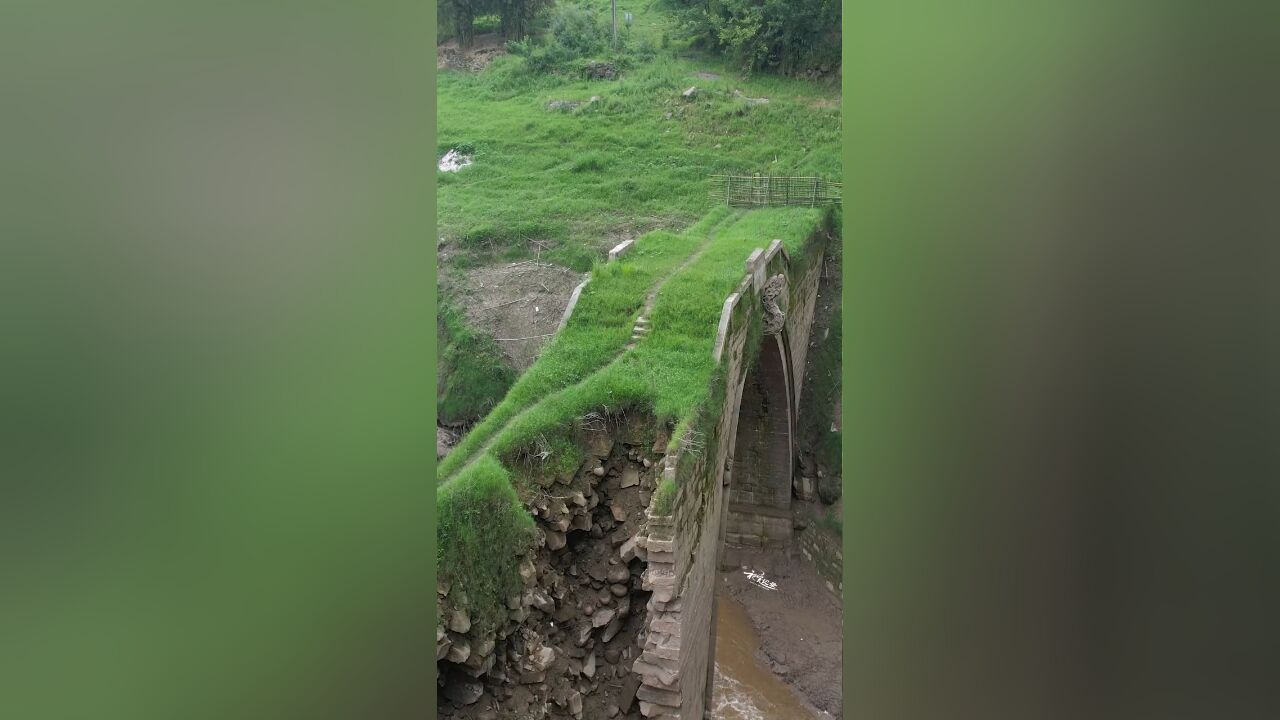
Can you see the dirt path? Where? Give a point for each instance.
(800, 624)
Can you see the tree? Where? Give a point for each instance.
(459, 16)
(788, 36)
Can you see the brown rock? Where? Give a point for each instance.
(459, 621)
(542, 658)
(459, 651)
(555, 540)
(618, 590)
(630, 476)
(602, 618)
(627, 697)
(528, 573)
(614, 626)
(628, 550)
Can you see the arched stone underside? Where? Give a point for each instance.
(760, 485)
(735, 488)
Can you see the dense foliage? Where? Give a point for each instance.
(576, 35)
(787, 36)
(458, 18)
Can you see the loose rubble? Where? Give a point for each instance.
(572, 643)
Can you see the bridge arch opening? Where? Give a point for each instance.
(760, 476)
(757, 512)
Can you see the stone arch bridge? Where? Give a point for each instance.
(738, 489)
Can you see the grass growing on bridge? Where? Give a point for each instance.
(586, 369)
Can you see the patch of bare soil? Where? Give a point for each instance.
(800, 624)
(484, 48)
(519, 304)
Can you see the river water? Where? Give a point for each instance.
(744, 688)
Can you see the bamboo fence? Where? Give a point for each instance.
(766, 190)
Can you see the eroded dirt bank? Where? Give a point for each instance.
(569, 641)
(800, 624)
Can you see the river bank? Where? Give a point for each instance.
(799, 624)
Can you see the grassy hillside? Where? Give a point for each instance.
(636, 159)
(621, 159)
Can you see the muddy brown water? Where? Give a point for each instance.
(744, 688)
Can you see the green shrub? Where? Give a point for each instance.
(788, 36)
(577, 31)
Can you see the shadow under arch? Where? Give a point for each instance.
(758, 472)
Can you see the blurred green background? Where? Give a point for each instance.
(217, 315)
(1060, 239)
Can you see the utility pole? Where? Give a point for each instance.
(613, 11)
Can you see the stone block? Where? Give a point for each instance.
(658, 696)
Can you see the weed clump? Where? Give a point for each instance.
(664, 497)
(591, 162)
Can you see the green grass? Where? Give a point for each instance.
(664, 497)
(597, 330)
(472, 370)
(484, 512)
(579, 180)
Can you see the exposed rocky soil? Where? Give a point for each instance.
(800, 624)
(571, 638)
(484, 48)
